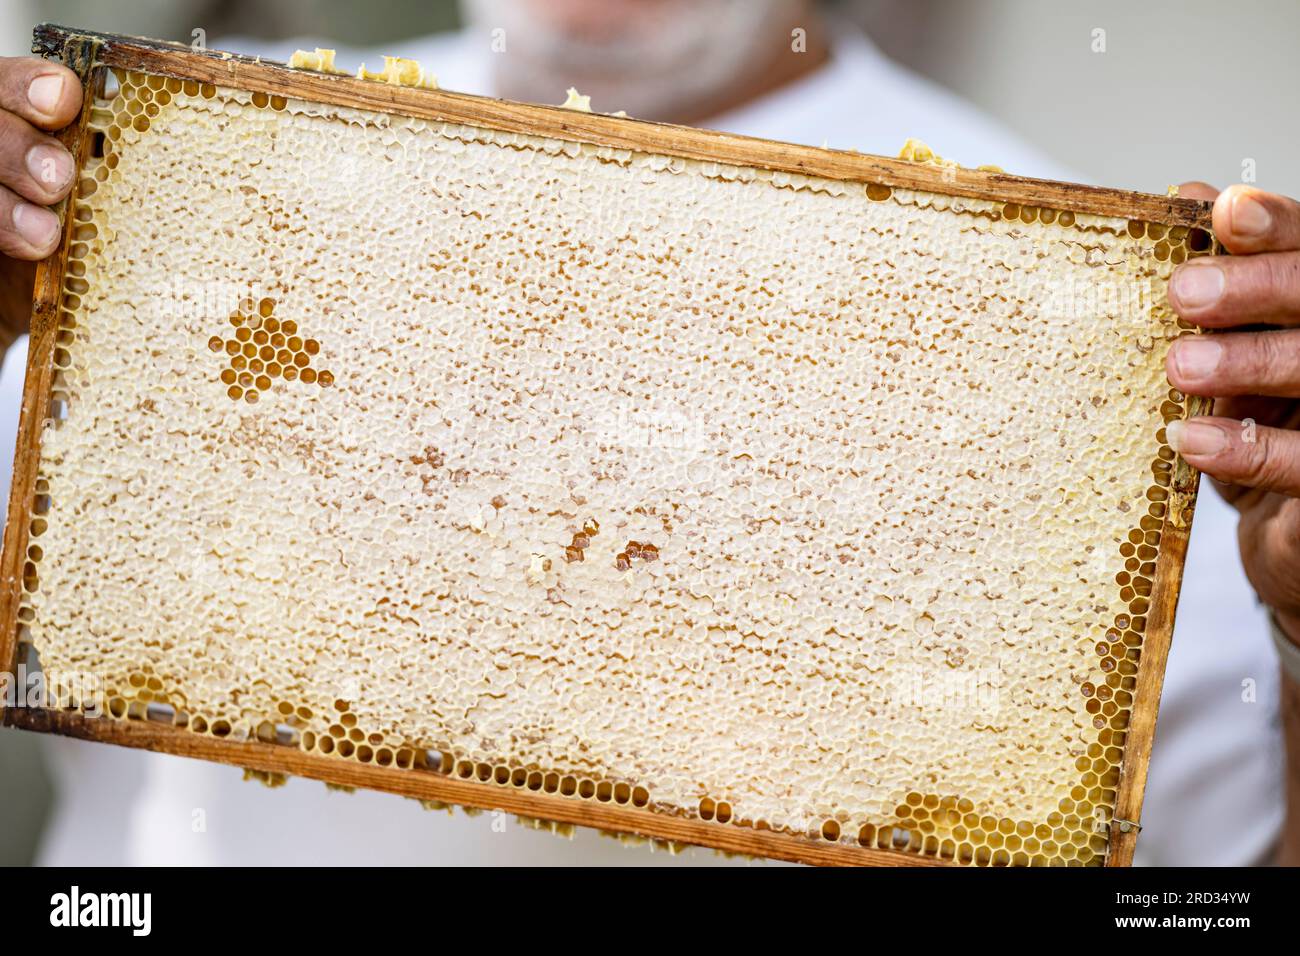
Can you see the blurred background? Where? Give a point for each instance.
(1187, 90)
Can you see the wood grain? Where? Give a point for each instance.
(255, 75)
(430, 785)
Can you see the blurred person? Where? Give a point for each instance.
(778, 69)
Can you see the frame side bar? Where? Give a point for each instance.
(78, 53)
(1167, 585)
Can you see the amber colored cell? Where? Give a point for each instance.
(290, 373)
(288, 326)
(215, 343)
(294, 344)
(325, 378)
(308, 375)
(311, 346)
(228, 376)
(302, 359)
(235, 392)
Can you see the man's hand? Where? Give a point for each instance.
(1250, 446)
(35, 171)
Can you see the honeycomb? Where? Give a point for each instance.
(262, 349)
(729, 494)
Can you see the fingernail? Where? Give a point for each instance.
(45, 92)
(51, 166)
(1195, 438)
(1249, 217)
(1198, 286)
(38, 226)
(1196, 358)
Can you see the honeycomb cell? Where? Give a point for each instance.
(639, 495)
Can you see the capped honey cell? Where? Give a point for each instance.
(754, 501)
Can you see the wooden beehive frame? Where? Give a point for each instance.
(92, 55)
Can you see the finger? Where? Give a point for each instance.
(27, 231)
(1277, 412)
(43, 93)
(1249, 220)
(1253, 456)
(1253, 410)
(1197, 190)
(1222, 291)
(32, 164)
(1237, 363)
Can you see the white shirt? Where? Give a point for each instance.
(1214, 794)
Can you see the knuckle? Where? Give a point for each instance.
(1286, 219)
(1264, 283)
(1252, 462)
(14, 75)
(1281, 279)
(1267, 462)
(12, 141)
(1264, 357)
